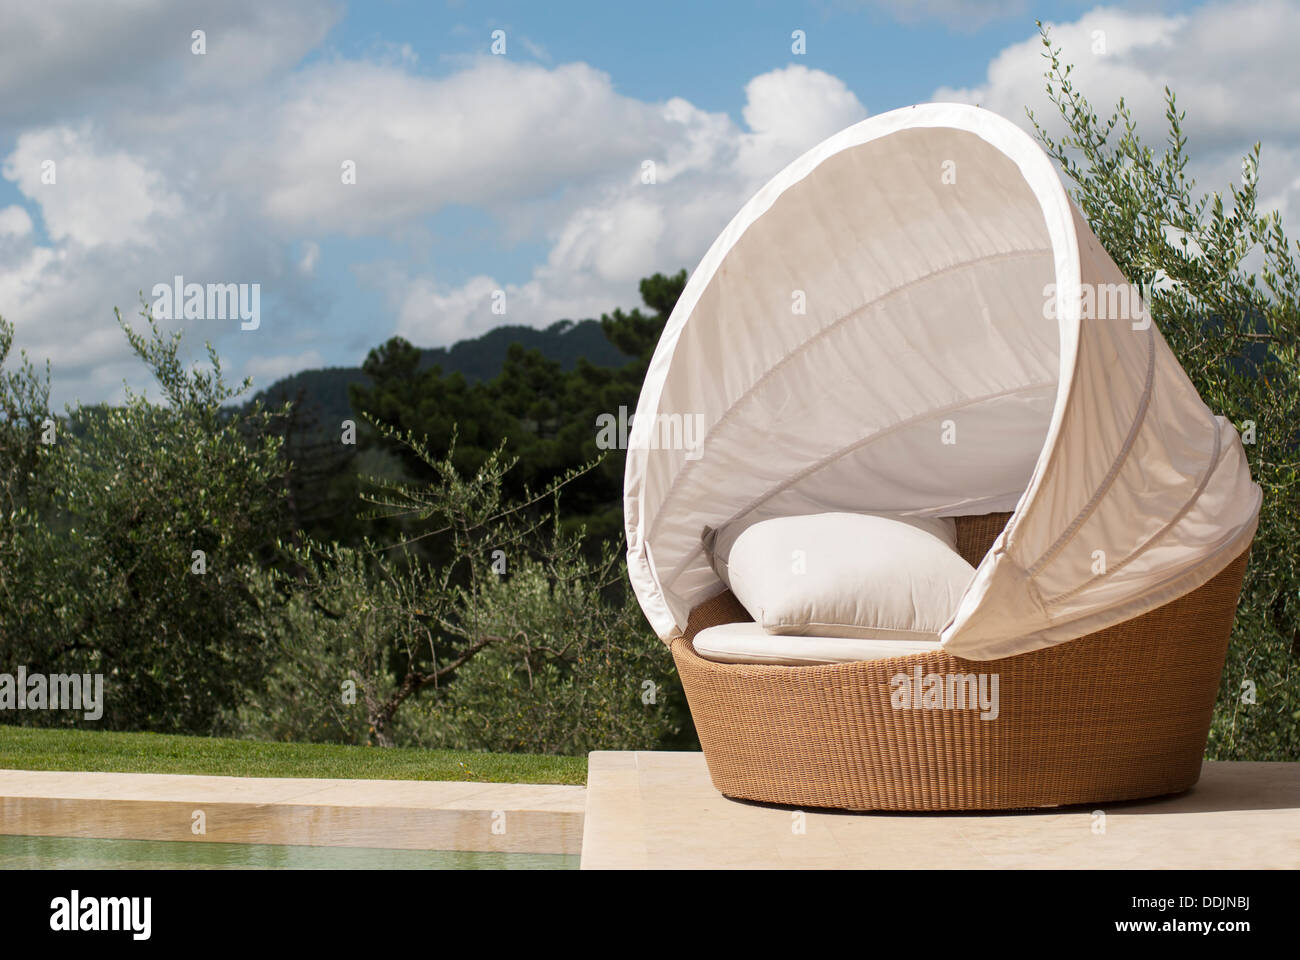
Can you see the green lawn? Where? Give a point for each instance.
(26, 748)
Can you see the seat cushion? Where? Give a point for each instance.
(843, 575)
(750, 643)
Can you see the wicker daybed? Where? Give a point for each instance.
(1119, 714)
(1107, 512)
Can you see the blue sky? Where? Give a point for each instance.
(517, 173)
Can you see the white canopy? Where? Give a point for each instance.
(914, 318)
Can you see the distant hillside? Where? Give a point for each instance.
(563, 341)
(325, 392)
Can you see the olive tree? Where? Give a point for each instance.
(128, 536)
(1222, 281)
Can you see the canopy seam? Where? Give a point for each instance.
(1159, 534)
(1088, 508)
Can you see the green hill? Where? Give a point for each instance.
(325, 392)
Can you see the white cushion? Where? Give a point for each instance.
(844, 575)
(749, 643)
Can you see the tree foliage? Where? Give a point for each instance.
(515, 640)
(130, 556)
(1222, 281)
(191, 550)
(545, 414)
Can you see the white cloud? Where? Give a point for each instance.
(266, 370)
(115, 226)
(15, 222)
(310, 254)
(222, 191)
(789, 111)
(428, 315)
(1227, 62)
(493, 133)
(58, 55)
(96, 196)
(1231, 65)
(621, 228)
(140, 193)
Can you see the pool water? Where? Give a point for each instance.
(78, 853)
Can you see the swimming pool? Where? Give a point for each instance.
(79, 853)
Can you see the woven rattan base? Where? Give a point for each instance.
(1117, 715)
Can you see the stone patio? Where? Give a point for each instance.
(659, 810)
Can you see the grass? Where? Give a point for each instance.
(27, 748)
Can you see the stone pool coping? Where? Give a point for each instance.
(395, 814)
(644, 810)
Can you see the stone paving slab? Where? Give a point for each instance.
(660, 810)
